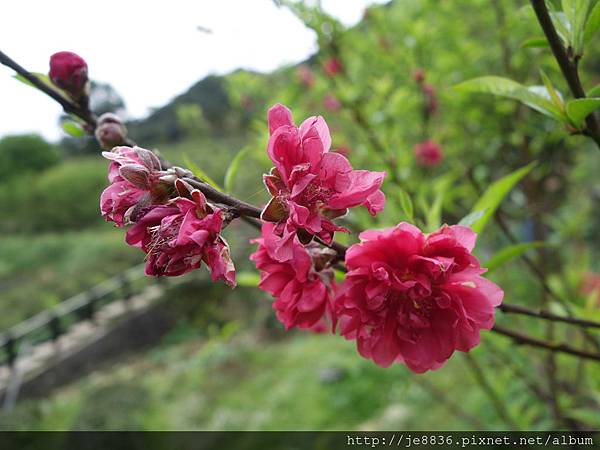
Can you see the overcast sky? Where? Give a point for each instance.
(150, 51)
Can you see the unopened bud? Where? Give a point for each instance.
(69, 72)
(419, 75)
(110, 131)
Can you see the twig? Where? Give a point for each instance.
(524, 339)
(542, 314)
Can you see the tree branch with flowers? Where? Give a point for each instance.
(401, 294)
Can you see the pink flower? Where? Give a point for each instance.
(331, 103)
(413, 298)
(134, 175)
(428, 154)
(591, 284)
(306, 76)
(178, 236)
(309, 184)
(332, 66)
(303, 285)
(69, 71)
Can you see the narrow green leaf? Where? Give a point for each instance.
(407, 205)
(535, 43)
(44, 79)
(493, 196)
(508, 253)
(73, 129)
(593, 92)
(197, 171)
(247, 278)
(233, 169)
(505, 87)
(471, 218)
(593, 24)
(580, 108)
(554, 94)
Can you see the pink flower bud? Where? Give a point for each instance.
(306, 75)
(331, 103)
(419, 75)
(431, 103)
(332, 66)
(110, 131)
(69, 72)
(428, 154)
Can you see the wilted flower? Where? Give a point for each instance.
(69, 72)
(302, 285)
(431, 102)
(332, 66)
(310, 185)
(428, 153)
(110, 131)
(331, 103)
(306, 75)
(178, 236)
(134, 175)
(413, 298)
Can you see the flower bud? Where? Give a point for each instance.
(419, 75)
(110, 131)
(331, 103)
(306, 76)
(428, 154)
(69, 72)
(332, 66)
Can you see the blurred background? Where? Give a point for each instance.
(195, 82)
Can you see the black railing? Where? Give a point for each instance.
(50, 324)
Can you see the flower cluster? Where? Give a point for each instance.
(310, 185)
(172, 223)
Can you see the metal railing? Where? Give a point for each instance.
(50, 324)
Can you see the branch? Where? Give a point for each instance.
(542, 314)
(69, 107)
(524, 339)
(567, 66)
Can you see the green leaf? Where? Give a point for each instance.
(593, 24)
(73, 129)
(247, 278)
(197, 171)
(554, 94)
(233, 169)
(406, 204)
(508, 253)
(493, 196)
(593, 92)
(535, 43)
(44, 79)
(505, 87)
(471, 218)
(580, 108)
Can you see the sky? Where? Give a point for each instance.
(149, 51)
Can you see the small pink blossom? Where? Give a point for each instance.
(306, 76)
(134, 175)
(331, 103)
(591, 285)
(178, 236)
(413, 298)
(332, 66)
(428, 154)
(419, 75)
(303, 285)
(69, 71)
(311, 185)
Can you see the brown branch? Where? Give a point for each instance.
(542, 314)
(523, 339)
